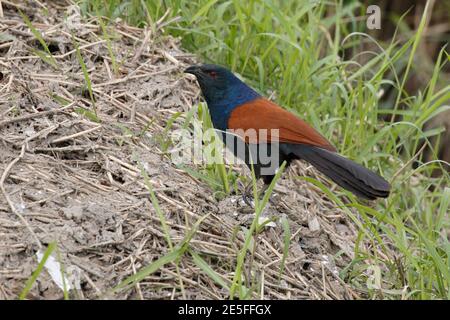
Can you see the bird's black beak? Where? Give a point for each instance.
(195, 70)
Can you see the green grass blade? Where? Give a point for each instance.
(87, 79)
(172, 256)
(202, 264)
(29, 284)
(47, 56)
(286, 242)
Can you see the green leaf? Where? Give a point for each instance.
(87, 113)
(37, 272)
(286, 242)
(47, 55)
(151, 268)
(207, 269)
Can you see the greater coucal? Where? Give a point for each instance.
(233, 105)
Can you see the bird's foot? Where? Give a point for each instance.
(248, 197)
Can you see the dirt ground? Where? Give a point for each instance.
(70, 179)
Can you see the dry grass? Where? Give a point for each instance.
(67, 178)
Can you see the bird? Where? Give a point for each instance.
(236, 107)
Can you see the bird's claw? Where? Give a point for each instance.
(248, 199)
(247, 196)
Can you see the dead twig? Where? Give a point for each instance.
(36, 115)
(8, 200)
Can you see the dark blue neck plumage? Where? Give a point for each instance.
(222, 103)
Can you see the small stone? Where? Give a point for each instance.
(313, 224)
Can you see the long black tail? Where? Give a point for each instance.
(346, 173)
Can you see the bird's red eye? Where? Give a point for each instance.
(213, 74)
